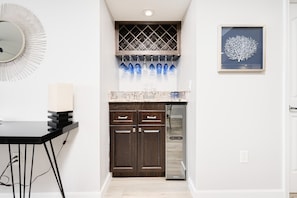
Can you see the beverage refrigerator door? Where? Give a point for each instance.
(175, 142)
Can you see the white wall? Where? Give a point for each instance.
(187, 81)
(227, 112)
(72, 55)
(240, 111)
(108, 82)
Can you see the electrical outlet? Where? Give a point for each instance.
(243, 156)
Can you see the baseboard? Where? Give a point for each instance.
(196, 194)
(241, 194)
(278, 193)
(105, 184)
(68, 194)
(191, 186)
(58, 195)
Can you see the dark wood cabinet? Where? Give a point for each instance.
(151, 150)
(123, 150)
(137, 139)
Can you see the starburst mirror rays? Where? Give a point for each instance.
(26, 42)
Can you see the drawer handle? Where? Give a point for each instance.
(123, 131)
(151, 131)
(151, 117)
(122, 117)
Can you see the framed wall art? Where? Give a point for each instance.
(242, 49)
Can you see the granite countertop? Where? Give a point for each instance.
(148, 96)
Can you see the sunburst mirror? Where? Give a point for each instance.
(22, 42)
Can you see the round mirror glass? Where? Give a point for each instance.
(12, 41)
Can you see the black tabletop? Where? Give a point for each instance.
(30, 132)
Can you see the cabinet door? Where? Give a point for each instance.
(123, 150)
(151, 150)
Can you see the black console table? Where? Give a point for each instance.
(31, 133)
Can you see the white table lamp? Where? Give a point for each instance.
(60, 97)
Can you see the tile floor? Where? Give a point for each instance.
(156, 187)
(148, 187)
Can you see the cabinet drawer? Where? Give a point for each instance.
(151, 117)
(122, 117)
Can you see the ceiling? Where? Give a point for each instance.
(133, 10)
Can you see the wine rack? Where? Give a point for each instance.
(148, 38)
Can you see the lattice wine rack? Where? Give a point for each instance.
(148, 38)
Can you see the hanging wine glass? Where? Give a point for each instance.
(144, 66)
(165, 67)
(172, 68)
(159, 66)
(123, 66)
(130, 66)
(138, 66)
(152, 66)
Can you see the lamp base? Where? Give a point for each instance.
(59, 119)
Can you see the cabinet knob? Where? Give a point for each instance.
(139, 130)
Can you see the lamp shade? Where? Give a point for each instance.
(60, 97)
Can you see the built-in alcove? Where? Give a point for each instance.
(148, 54)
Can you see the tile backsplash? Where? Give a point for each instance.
(148, 80)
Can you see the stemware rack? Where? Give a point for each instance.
(147, 58)
(146, 39)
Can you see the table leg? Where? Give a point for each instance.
(11, 170)
(20, 172)
(33, 151)
(22, 192)
(25, 168)
(54, 166)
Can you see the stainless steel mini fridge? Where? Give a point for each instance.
(175, 141)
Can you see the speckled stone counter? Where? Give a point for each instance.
(148, 96)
